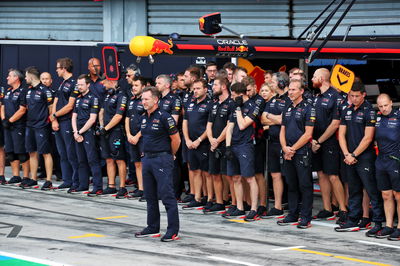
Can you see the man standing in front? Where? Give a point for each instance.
(356, 135)
(160, 143)
(296, 131)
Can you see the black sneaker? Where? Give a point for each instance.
(208, 205)
(109, 190)
(63, 186)
(47, 185)
(168, 237)
(217, 207)
(273, 213)
(251, 216)
(14, 180)
(29, 184)
(74, 190)
(193, 205)
(385, 232)
(324, 215)
(261, 211)
(395, 236)
(24, 180)
(246, 207)
(230, 210)
(342, 217)
(147, 233)
(335, 209)
(234, 213)
(372, 232)
(288, 220)
(122, 192)
(348, 226)
(187, 199)
(304, 224)
(365, 224)
(136, 193)
(3, 180)
(95, 193)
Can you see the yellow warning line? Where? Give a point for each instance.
(86, 235)
(237, 221)
(340, 257)
(111, 217)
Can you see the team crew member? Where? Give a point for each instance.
(195, 133)
(13, 115)
(190, 75)
(259, 144)
(387, 129)
(296, 131)
(211, 72)
(46, 80)
(38, 101)
(84, 119)
(160, 143)
(240, 151)
(96, 86)
(272, 117)
(113, 137)
(229, 67)
(238, 74)
(133, 134)
(171, 103)
(64, 102)
(356, 134)
(3, 180)
(325, 146)
(216, 133)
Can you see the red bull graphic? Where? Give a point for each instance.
(146, 45)
(201, 23)
(254, 71)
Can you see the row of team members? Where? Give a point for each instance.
(220, 138)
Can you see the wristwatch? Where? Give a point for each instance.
(353, 155)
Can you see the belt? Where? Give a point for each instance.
(156, 154)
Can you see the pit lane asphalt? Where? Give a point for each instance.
(66, 229)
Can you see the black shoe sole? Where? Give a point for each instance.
(170, 239)
(273, 217)
(148, 235)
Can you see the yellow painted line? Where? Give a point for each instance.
(340, 257)
(111, 217)
(87, 235)
(237, 221)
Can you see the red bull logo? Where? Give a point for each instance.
(146, 45)
(160, 47)
(242, 49)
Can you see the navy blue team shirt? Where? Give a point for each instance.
(85, 105)
(37, 101)
(66, 90)
(295, 119)
(156, 130)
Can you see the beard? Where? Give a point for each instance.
(316, 84)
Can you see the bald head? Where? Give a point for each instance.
(94, 66)
(384, 103)
(323, 73)
(46, 79)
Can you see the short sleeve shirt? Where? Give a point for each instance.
(156, 130)
(115, 103)
(295, 119)
(251, 110)
(66, 90)
(276, 106)
(37, 101)
(356, 120)
(85, 105)
(134, 112)
(197, 117)
(13, 99)
(170, 103)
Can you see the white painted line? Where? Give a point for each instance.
(286, 248)
(377, 244)
(21, 257)
(324, 224)
(233, 261)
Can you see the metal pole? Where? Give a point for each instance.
(313, 55)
